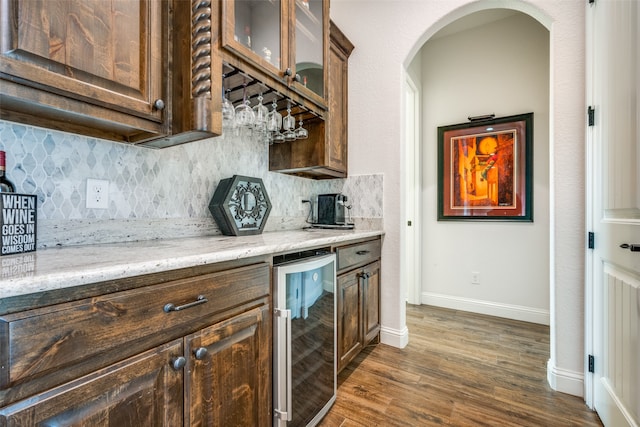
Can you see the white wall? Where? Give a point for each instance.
(501, 68)
(387, 34)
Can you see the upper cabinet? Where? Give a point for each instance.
(98, 67)
(139, 72)
(311, 50)
(324, 154)
(282, 43)
(155, 73)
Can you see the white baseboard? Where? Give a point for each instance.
(394, 337)
(515, 312)
(565, 381)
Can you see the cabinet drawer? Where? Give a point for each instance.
(358, 254)
(65, 340)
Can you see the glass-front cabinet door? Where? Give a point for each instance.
(288, 39)
(310, 46)
(255, 30)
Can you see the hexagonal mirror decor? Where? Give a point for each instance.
(240, 206)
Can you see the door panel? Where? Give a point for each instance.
(349, 331)
(100, 52)
(371, 304)
(230, 372)
(141, 391)
(613, 66)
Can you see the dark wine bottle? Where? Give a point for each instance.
(6, 186)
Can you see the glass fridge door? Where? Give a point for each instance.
(305, 340)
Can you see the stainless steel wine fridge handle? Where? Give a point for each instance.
(169, 307)
(283, 366)
(633, 247)
(289, 362)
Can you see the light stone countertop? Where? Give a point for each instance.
(57, 268)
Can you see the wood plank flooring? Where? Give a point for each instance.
(459, 369)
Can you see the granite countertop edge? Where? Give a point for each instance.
(58, 268)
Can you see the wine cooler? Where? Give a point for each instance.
(304, 340)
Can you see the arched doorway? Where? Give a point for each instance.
(488, 61)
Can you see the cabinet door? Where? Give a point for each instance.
(371, 302)
(349, 330)
(336, 140)
(144, 390)
(257, 32)
(310, 26)
(229, 380)
(104, 59)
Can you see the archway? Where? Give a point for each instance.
(453, 253)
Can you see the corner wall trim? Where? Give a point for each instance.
(394, 337)
(508, 311)
(565, 381)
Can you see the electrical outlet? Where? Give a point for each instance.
(97, 193)
(475, 277)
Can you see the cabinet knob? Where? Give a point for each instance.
(159, 104)
(288, 72)
(200, 353)
(297, 78)
(178, 363)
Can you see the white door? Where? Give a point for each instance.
(411, 273)
(613, 191)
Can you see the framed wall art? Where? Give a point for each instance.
(485, 169)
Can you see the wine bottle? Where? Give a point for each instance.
(6, 186)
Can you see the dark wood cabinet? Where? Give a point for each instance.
(144, 390)
(195, 348)
(140, 72)
(349, 328)
(337, 119)
(370, 277)
(230, 375)
(324, 154)
(98, 67)
(281, 43)
(358, 298)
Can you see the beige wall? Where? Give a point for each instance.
(502, 68)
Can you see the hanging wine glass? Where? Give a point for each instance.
(274, 122)
(261, 112)
(228, 112)
(245, 117)
(301, 133)
(289, 125)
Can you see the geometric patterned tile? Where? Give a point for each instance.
(175, 182)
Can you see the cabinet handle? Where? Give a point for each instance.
(200, 353)
(362, 252)
(169, 307)
(178, 363)
(159, 104)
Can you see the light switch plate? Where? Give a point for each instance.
(97, 193)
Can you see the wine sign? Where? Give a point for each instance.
(18, 221)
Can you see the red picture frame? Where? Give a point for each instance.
(485, 170)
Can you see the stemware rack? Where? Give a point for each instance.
(235, 81)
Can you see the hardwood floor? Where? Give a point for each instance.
(459, 369)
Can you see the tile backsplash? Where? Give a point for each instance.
(156, 193)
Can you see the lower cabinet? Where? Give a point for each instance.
(195, 351)
(358, 298)
(229, 378)
(141, 391)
